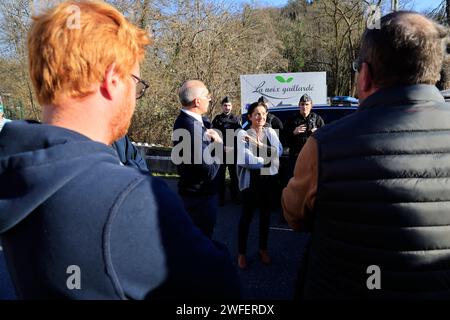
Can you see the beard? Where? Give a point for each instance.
(122, 119)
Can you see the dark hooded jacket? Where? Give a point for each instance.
(71, 214)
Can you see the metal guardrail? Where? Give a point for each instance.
(157, 158)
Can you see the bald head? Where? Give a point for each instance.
(190, 90)
(408, 49)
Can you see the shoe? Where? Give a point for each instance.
(265, 258)
(242, 261)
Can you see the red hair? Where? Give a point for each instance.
(67, 59)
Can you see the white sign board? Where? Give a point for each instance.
(283, 89)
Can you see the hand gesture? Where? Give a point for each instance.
(228, 149)
(214, 136)
(252, 140)
(300, 129)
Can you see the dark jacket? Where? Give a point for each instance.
(383, 199)
(66, 200)
(274, 122)
(128, 154)
(197, 177)
(295, 143)
(223, 122)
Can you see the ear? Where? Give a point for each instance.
(108, 87)
(196, 102)
(365, 80)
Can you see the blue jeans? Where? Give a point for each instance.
(203, 211)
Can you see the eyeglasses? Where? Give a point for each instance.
(356, 66)
(141, 87)
(207, 97)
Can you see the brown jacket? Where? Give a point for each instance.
(299, 196)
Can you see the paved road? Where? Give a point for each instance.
(276, 281)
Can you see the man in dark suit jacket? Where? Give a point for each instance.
(192, 139)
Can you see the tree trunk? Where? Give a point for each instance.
(447, 11)
(444, 82)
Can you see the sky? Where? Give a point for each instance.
(417, 5)
(426, 4)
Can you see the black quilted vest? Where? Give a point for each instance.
(384, 199)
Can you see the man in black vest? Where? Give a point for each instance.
(227, 124)
(374, 187)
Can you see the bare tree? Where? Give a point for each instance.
(215, 42)
(15, 19)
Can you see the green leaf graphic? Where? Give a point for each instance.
(289, 80)
(280, 79)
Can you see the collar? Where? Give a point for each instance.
(402, 95)
(307, 117)
(193, 115)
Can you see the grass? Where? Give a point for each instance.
(166, 175)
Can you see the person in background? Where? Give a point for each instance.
(227, 124)
(299, 128)
(129, 154)
(259, 149)
(198, 183)
(275, 123)
(3, 120)
(272, 120)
